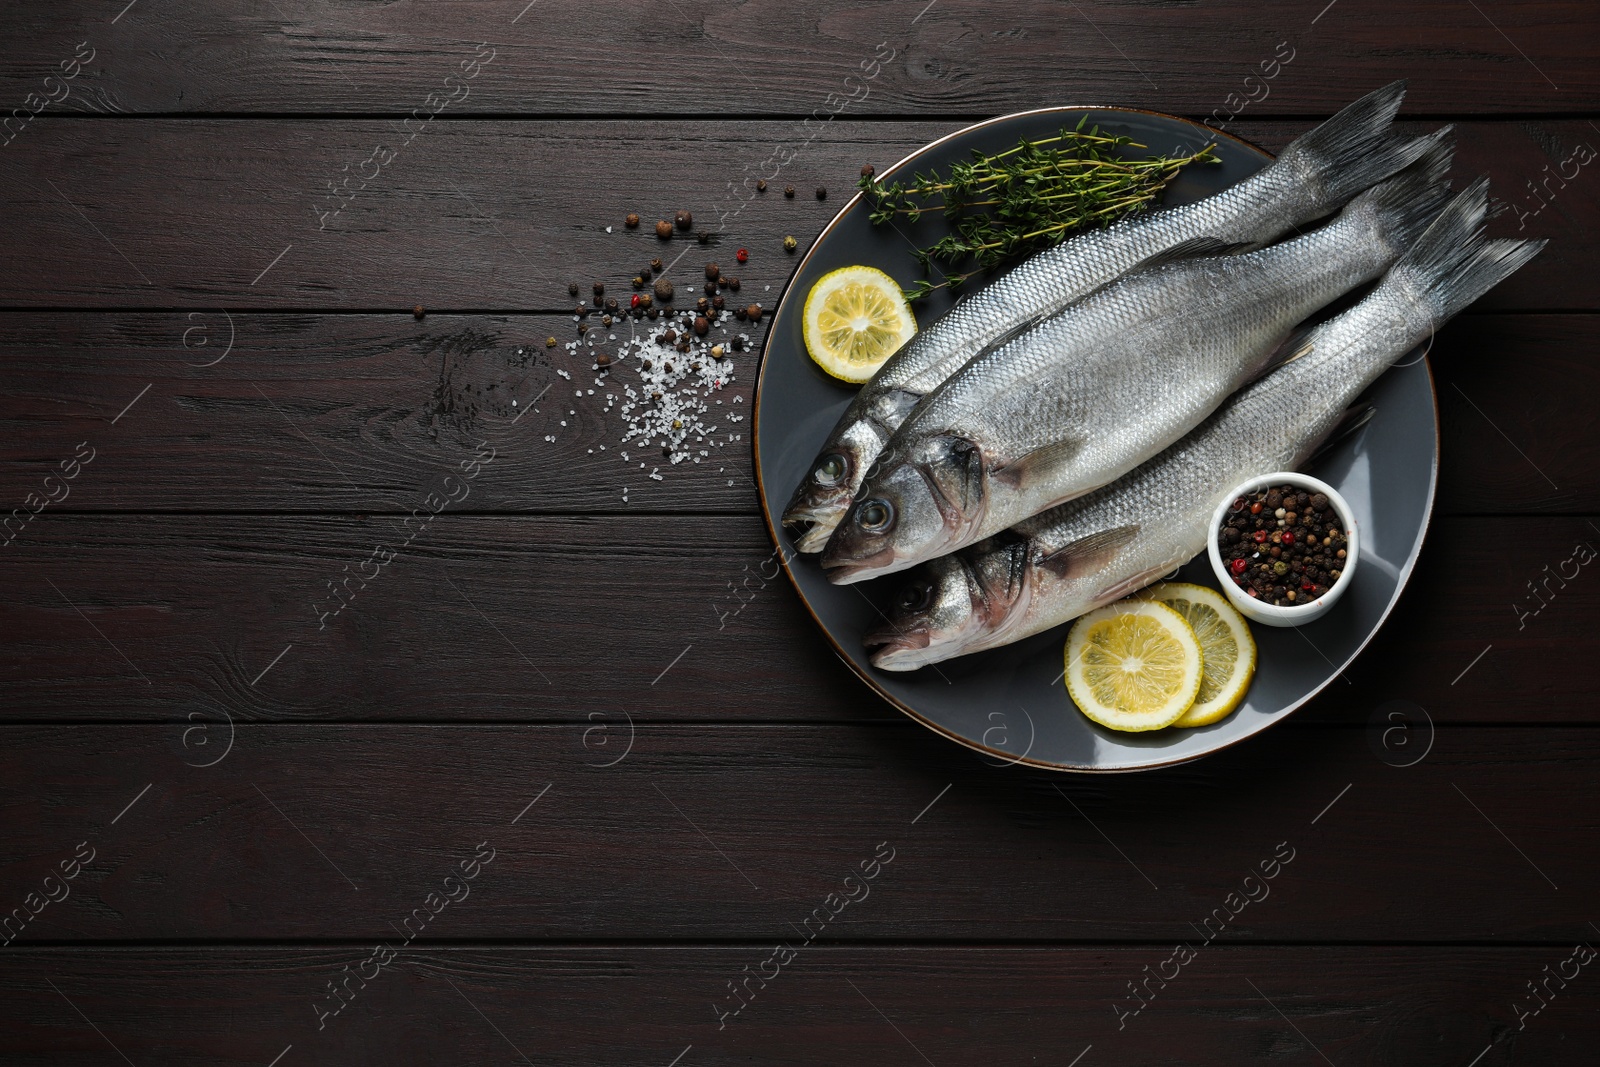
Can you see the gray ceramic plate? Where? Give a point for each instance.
(1009, 702)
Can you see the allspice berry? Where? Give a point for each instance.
(683, 219)
(754, 311)
(602, 360)
(632, 221)
(663, 289)
(712, 272)
(701, 326)
(868, 171)
(664, 229)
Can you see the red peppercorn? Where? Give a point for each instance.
(1288, 538)
(1255, 509)
(1238, 566)
(1260, 536)
(742, 256)
(635, 300)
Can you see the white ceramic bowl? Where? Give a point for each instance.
(1272, 614)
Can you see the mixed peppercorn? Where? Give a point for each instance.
(1283, 545)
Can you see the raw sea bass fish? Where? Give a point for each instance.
(1313, 177)
(1098, 548)
(1083, 398)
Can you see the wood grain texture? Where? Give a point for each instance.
(734, 832)
(551, 619)
(762, 56)
(599, 1005)
(365, 413)
(475, 215)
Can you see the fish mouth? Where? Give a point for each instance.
(894, 649)
(811, 525)
(849, 571)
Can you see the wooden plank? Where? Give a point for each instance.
(596, 1005)
(525, 619)
(306, 831)
(959, 56)
(363, 413)
(208, 213)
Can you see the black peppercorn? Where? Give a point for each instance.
(740, 314)
(703, 237)
(572, 288)
(701, 304)
(733, 283)
(599, 289)
(788, 191)
(683, 219)
(655, 265)
(822, 193)
(717, 301)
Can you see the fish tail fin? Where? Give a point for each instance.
(1453, 264)
(1405, 205)
(1355, 149)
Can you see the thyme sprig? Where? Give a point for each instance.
(1025, 198)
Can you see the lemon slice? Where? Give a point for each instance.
(855, 319)
(1227, 651)
(1133, 665)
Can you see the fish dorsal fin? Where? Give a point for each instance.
(1194, 246)
(1088, 554)
(1299, 342)
(1039, 465)
(1351, 420)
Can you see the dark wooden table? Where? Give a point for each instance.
(530, 795)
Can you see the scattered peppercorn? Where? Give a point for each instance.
(682, 346)
(741, 314)
(605, 320)
(611, 303)
(638, 281)
(583, 328)
(417, 312)
(701, 325)
(710, 288)
(549, 342)
(581, 310)
(717, 301)
(754, 311)
(790, 244)
(655, 265)
(667, 338)
(716, 351)
(712, 272)
(702, 304)
(822, 193)
(645, 301)
(788, 191)
(602, 360)
(733, 283)
(634, 302)
(632, 221)
(599, 289)
(684, 220)
(663, 229)
(868, 171)
(761, 185)
(663, 289)
(572, 288)
(743, 255)
(703, 237)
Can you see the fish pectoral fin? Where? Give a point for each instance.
(1037, 466)
(1088, 554)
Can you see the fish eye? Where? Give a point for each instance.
(875, 516)
(915, 598)
(831, 469)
